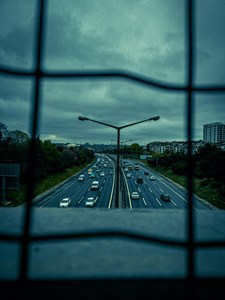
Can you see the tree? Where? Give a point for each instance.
(211, 162)
(3, 132)
(4, 142)
(18, 137)
(136, 148)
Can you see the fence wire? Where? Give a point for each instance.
(189, 88)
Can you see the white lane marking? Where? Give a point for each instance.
(173, 190)
(139, 190)
(150, 190)
(158, 202)
(101, 188)
(173, 202)
(57, 194)
(80, 200)
(129, 199)
(176, 193)
(161, 190)
(144, 201)
(110, 199)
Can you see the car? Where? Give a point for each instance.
(92, 175)
(165, 197)
(128, 175)
(146, 172)
(139, 179)
(65, 202)
(95, 185)
(111, 173)
(134, 195)
(90, 202)
(81, 178)
(136, 166)
(102, 174)
(152, 178)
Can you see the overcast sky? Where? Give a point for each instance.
(142, 36)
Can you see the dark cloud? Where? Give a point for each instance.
(17, 27)
(16, 48)
(147, 37)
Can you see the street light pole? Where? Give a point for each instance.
(118, 128)
(118, 168)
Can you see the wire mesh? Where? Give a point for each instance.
(38, 74)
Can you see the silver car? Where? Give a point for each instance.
(65, 202)
(90, 202)
(134, 195)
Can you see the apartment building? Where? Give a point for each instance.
(214, 133)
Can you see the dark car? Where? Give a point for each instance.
(139, 179)
(165, 197)
(146, 172)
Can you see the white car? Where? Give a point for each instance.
(128, 175)
(90, 202)
(81, 178)
(134, 195)
(65, 202)
(152, 177)
(95, 185)
(102, 174)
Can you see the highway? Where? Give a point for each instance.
(149, 191)
(79, 192)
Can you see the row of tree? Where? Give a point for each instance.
(50, 159)
(209, 162)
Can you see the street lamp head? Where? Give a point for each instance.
(154, 118)
(82, 118)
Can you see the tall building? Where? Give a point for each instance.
(214, 133)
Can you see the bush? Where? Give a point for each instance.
(222, 190)
(204, 182)
(215, 185)
(180, 167)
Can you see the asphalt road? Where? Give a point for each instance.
(79, 191)
(149, 190)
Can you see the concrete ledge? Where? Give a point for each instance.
(111, 256)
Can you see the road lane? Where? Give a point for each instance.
(79, 191)
(150, 190)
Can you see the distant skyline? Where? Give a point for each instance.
(127, 142)
(145, 37)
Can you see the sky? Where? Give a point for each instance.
(146, 37)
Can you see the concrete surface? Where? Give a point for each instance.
(112, 256)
